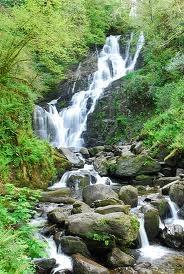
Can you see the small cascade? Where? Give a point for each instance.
(173, 208)
(65, 128)
(88, 170)
(62, 260)
(143, 235)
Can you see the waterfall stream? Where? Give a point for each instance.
(65, 128)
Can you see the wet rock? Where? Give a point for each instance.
(50, 196)
(81, 207)
(95, 150)
(179, 171)
(173, 236)
(48, 230)
(143, 180)
(65, 271)
(167, 171)
(165, 189)
(72, 157)
(164, 181)
(140, 266)
(72, 245)
(58, 216)
(85, 152)
(98, 192)
(137, 147)
(172, 158)
(117, 258)
(81, 180)
(163, 207)
(131, 166)
(101, 165)
(176, 193)
(106, 202)
(113, 208)
(181, 212)
(82, 265)
(151, 221)
(119, 225)
(43, 266)
(129, 195)
(123, 270)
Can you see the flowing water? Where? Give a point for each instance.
(65, 128)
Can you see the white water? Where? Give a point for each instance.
(174, 210)
(88, 170)
(65, 128)
(143, 235)
(63, 261)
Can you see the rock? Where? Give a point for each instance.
(137, 147)
(143, 180)
(179, 171)
(131, 166)
(172, 158)
(165, 189)
(173, 236)
(61, 162)
(82, 265)
(123, 270)
(106, 202)
(163, 207)
(81, 180)
(81, 207)
(49, 196)
(65, 271)
(176, 193)
(181, 212)
(58, 216)
(95, 150)
(98, 192)
(101, 165)
(141, 266)
(105, 227)
(165, 181)
(72, 245)
(117, 258)
(44, 265)
(151, 221)
(85, 152)
(113, 208)
(129, 195)
(167, 171)
(72, 157)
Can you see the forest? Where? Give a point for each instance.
(41, 41)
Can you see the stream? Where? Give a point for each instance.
(64, 128)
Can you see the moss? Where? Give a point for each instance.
(106, 240)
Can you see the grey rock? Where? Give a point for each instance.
(151, 221)
(72, 245)
(113, 208)
(117, 258)
(176, 193)
(129, 195)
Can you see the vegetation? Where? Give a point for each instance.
(17, 242)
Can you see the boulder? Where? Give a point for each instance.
(137, 147)
(72, 245)
(117, 258)
(165, 189)
(44, 265)
(131, 166)
(83, 265)
(106, 202)
(85, 152)
(95, 150)
(81, 180)
(163, 207)
(129, 195)
(98, 192)
(143, 180)
(181, 212)
(113, 208)
(58, 216)
(81, 207)
(173, 236)
(49, 196)
(176, 193)
(72, 157)
(151, 221)
(119, 226)
(101, 165)
(163, 181)
(123, 270)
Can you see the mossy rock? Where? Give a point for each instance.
(129, 195)
(61, 163)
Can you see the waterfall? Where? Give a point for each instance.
(65, 128)
(173, 208)
(143, 235)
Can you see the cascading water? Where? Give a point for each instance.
(143, 235)
(65, 128)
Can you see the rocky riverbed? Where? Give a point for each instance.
(116, 211)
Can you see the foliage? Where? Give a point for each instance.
(16, 235)
(104, 238)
